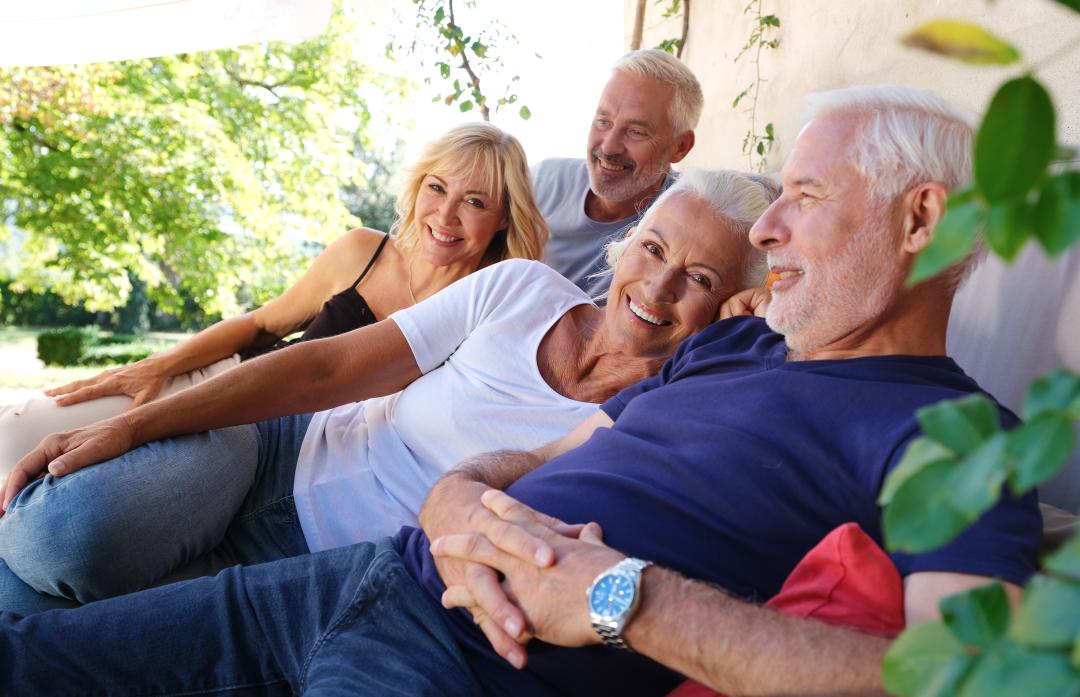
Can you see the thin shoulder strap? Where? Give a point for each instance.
(378, 250)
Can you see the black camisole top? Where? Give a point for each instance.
(341, 313)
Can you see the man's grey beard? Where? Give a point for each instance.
(626, 189)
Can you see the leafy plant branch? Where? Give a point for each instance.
(1024, 187)
(757, 146)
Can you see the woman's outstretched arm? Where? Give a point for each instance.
(368, 362)
(292, 310)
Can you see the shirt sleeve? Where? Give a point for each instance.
(1003, 543)
(437, 326)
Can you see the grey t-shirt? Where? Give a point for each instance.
(576, 246)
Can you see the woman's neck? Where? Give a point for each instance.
(426, 279)
(580, 361)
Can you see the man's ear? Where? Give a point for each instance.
(924, 207)
(683, 145)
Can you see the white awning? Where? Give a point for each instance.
(54, 32)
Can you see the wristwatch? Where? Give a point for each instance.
(613, 597)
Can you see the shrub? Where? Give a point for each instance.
(65, 346)
(116, 354)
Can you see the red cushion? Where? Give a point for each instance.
(846, 580)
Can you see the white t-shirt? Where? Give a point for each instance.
(365, 468)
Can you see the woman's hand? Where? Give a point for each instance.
(751, 302)
(66, 452)
(142, 381)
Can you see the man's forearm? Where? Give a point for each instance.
(742, 649)
(498, 469)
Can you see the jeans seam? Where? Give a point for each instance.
(266, 508)
(185, 693)
(347, 618)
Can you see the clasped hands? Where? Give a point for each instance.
(520, 573)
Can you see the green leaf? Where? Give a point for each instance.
(1065, 153)
(770, 21)
(440, 14)
(1008, 227)
(1071, 4)
(1057, 215)
(952, 241)
(1074, 656)
(1065, 561)
(921, 517)
(524, 113)
(979, 616)
(921, 453)
(960, 424)
(1039, 449)
(917, 657)
(1049, 615)
(444, 70)
(1009, 670)
(976, 481)
(1015, 141)
(1058, 391)
(479, 49)
(962, 40)
(466, 105)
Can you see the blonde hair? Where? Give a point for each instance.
(461, 152)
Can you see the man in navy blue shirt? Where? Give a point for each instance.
(752, 443)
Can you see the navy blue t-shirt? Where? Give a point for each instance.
(729, 466)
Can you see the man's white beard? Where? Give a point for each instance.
(835, 298)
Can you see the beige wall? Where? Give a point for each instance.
(834, 44)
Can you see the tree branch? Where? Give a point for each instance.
(481, 102)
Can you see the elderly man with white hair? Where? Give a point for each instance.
(644, 122)
(721, 472)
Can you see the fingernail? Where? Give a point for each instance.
(517, 659)
(512, 626)
(543, 556)
(434, 549)
(56, 469)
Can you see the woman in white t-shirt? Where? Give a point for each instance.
(512, 356)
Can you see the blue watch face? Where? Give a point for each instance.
(611, 596)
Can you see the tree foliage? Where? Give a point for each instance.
(198, 174)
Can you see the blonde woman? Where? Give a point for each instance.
(466, 203)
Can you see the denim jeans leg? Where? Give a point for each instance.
(14, 593)
(118, 526)
(266, 527)
(349, 621)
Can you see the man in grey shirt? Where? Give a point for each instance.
(644, 122)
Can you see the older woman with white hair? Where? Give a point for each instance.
(512, 356)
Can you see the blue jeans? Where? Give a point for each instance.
(349, 621)
(169, 510)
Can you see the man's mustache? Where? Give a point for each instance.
(614, 159)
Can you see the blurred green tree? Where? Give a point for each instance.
(209, 176)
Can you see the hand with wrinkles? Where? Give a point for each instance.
(455, 507)
(534, 599)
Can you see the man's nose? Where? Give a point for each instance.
(613, 143)
(770, 231)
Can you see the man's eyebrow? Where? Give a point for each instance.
(808, 182)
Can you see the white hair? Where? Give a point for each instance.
(903, 136)
(738, 197)
(685, 108)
